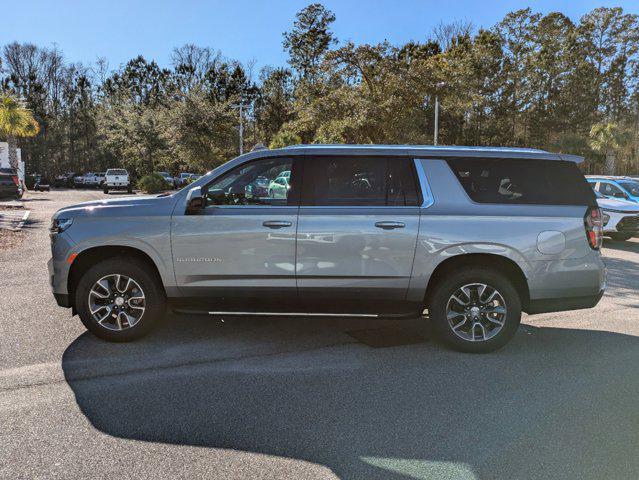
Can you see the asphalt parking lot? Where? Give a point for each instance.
(286, 398)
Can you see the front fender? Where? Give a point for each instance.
(164, 268)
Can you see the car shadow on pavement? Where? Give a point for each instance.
(626, 246)
(555, 403)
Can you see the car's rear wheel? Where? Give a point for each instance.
(129, 189)
(119, 299)
(105, 191)
(621, 237)
(477, 310)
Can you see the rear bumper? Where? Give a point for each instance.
(547, 305)
(567, 278)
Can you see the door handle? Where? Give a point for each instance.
(276, 223)
(389, 225)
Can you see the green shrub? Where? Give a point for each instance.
(284, 138)
(152, 183)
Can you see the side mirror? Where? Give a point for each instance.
(217, 196)
(194, 201)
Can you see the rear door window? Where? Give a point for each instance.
(523, 181)
(359, 181)
(631, 187)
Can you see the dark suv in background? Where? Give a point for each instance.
(9, 184)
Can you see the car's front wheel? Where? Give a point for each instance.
(119, 299)
(477, 310)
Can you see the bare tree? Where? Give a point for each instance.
(192, 63)
(445, 33)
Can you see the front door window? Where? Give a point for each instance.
(263, 182)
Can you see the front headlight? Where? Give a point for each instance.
(606, 219)
(59, 225)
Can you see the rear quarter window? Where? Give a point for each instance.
(523, 181)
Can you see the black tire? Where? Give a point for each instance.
(105, 191)
(621, 237)
(129, 189)
(155, 301)
(446, 287)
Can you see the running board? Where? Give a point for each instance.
(296, 314)
(245, 313)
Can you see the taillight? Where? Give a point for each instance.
(593, 222)
(15, 180)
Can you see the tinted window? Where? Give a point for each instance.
(610, 190)
(116, 171)
(631, 187)
(263, 182)
(541, 182)
(359, 181)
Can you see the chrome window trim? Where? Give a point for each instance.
(251, 205)
(427, 195)
(423, 184)
(367, 207)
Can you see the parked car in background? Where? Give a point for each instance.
(40, 184)
(257, 188)
(79, 180)
(94, 180)
(64, 180)
(170, 181)
(278, 187)
(184, 179)
(620, 217)
(624, 188)
(9, 184)
(87, 180)
(116, 179)
(473, 235)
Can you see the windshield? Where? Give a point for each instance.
(631, 187)
(116, 171)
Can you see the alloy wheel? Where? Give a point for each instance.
(476, 312)
(116, 302)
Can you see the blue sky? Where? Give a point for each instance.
(121, 29)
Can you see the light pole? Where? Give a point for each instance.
(241, 130)
(436, 135)
(436, 120)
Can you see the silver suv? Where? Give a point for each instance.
(474, 236)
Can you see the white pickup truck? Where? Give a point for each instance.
(117, 179)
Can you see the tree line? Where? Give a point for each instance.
(531, 80)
